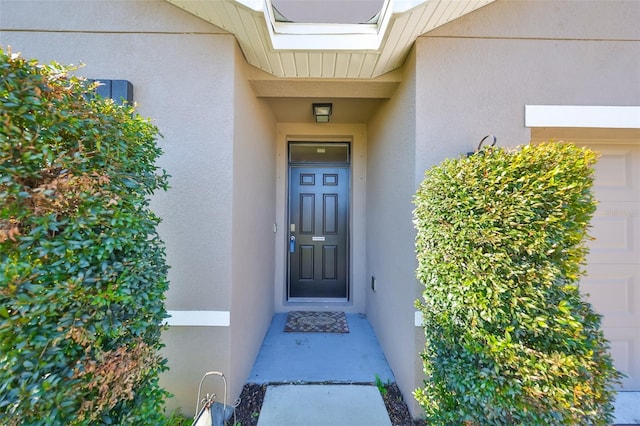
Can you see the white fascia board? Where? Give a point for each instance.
(610, 117)
(199, 318)
(401, 6)
(335, 42)
(257, 5)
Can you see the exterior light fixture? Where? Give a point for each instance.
(322, 112)
(480, 146)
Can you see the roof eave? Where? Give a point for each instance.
(354, 51)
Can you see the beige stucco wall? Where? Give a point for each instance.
(476, 74)
(390, 254)
(193, 118)
(100, 16)
(252, 235)
(189, 78)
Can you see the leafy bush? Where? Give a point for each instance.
(82, 271)
(500, 244)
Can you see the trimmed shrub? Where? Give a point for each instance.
(82, 271)
(500, 248)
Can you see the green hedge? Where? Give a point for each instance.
(500, 248)
(82, 272)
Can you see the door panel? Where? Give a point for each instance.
(318, 215)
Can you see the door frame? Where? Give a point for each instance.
(321, 166)
(355, 134)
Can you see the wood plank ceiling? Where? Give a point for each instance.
(250, 23)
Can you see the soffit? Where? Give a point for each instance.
(345, 110)
(324, 51)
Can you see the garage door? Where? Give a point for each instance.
(613, 265)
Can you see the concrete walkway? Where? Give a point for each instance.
(323, 405)
(322, 379)
(348, 361)
(627, 408)
(354, 357)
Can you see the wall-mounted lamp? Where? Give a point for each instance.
(480, 146)
(322, 112)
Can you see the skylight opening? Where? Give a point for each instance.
(327, 11)
(327, 24)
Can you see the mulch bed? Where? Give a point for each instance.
(252, 396)
(397, 408)
(248, 411)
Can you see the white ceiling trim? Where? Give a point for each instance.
(354, 51)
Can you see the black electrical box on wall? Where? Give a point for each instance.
(119, 90)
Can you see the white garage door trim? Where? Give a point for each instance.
(613, 117)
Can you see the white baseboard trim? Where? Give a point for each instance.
(199, 318)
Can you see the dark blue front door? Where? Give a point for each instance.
(318, 232)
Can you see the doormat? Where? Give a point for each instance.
(316, 322)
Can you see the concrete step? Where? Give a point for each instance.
(323, 405)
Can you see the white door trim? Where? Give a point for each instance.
(327, 132)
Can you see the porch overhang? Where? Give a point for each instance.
(303, 50)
